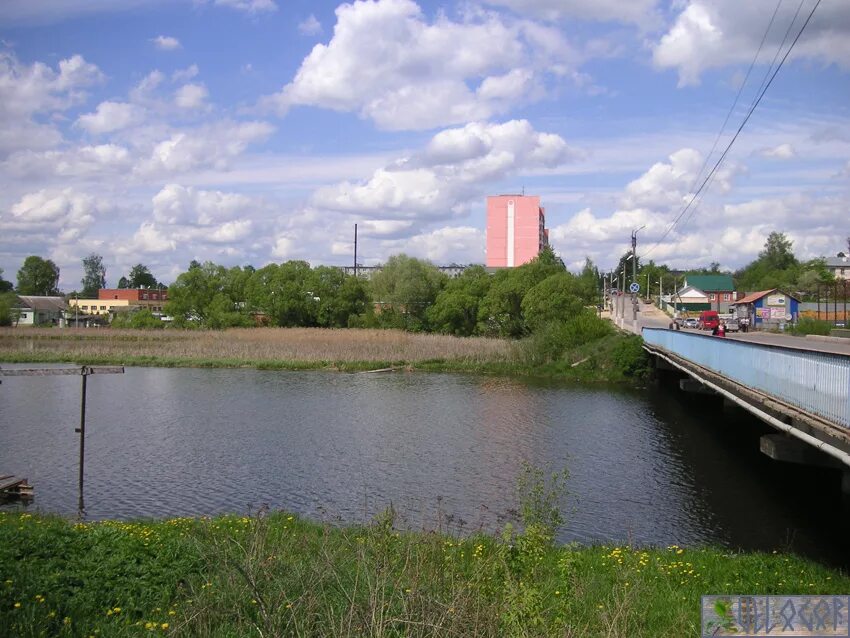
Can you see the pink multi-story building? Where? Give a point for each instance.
(516, 230)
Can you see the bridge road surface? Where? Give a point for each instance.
(650, 316)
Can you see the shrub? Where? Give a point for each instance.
(629, 357)
(809, 326)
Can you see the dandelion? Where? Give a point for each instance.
(17, 605)
(164, 626)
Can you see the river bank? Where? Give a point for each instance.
(612, 358)
(280, 575)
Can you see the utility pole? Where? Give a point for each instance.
(355, 250)
(634, 272)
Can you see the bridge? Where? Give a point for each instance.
(801, 390)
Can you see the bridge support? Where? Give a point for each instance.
(781, 447)
(695, 387)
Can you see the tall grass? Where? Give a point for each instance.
(253, 345)
(273, 574)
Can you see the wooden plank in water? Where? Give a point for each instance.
(9, 483)
(47, 372)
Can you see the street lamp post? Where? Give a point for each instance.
(634, 272)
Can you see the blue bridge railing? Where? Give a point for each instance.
(817, 382)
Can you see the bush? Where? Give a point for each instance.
(809, 326)
(551, 340)
(140, 319)
(586, 327)
(629, 357)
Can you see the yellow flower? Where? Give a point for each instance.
(66, 621)
(164, 625)
(171, 612)
(17, 605)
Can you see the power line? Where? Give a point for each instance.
(741, 89)
(737, 133)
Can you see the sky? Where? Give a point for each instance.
(259, 131)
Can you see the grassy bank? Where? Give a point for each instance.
(312, 348)
(277, 575)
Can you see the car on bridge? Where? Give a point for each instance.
(691, 322)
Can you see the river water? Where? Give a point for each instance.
(651, 466)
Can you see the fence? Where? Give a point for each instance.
(817, 382)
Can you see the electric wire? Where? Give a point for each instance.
(738, 94)
(751, 110)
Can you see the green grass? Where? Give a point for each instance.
(278, 575)
(615, 358)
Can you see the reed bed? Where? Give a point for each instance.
(251, 346)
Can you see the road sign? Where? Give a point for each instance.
(634, 287)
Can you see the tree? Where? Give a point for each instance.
(38, 277)
(560, 297)
(140, 277)
(123, 283)
(500, 312)
(409, 285)
(5, 286)
(8, 301)
(338, 296)
(281, 292)
(775, 267)
(94, 276)
(455, 310)
(208, 295)
(777, 252)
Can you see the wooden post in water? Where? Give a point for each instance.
(83, 371)
(82, 432)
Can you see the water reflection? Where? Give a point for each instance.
(648, 466)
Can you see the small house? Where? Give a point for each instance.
(768, 308)
(720, 290)
(40, 311)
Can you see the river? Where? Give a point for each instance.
(650, 466)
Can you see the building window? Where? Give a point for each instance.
(712, 297)
(103, 307)
(144, 295)
(116, 296)
(727, 296)
(84, 307)
(23, 315)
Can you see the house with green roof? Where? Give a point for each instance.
(720, 290)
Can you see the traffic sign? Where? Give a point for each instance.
(634, 287)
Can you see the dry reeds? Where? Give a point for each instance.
(254, 345)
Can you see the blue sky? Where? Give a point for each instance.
(252, 131)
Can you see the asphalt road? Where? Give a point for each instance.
(650, 316)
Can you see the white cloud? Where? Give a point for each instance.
(29, 90)
(642, 12)
(450, 244)
(421, 75)
(179, 205)
(310, 26)
(184, 75)
(191, 96)
(455, 167)
(211, 145)
(111, 116)
(249, 6)
(89, 161)
(717, 33)
(142, 92)
(166, 43)
(66, 212)
(782, 152)
(283, 247)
